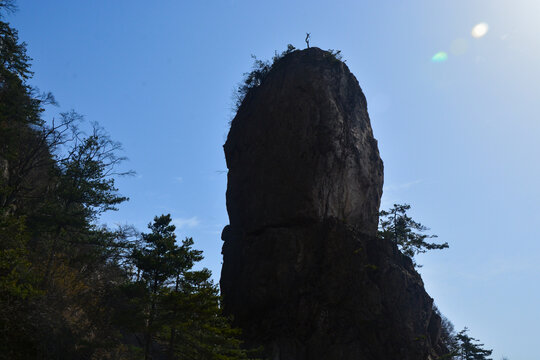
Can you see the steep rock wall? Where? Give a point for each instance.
(303, 273)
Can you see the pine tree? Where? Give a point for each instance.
(181, 307)
(469, 348)
(201, 332)
(396, 226)
(156, 261)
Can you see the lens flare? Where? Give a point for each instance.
(479, 30)
(441, 56)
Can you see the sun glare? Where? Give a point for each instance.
(479, 30)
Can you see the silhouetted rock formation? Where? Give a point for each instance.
(303, 272)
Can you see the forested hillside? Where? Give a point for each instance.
(69, 288)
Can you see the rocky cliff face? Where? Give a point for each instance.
(303, 272)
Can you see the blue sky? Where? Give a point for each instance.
(459, 138)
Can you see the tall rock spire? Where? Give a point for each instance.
(303, 271)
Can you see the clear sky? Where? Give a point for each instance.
(458, 132)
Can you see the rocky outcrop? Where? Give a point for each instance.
(303, 273)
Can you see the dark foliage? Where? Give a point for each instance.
(69, 288)
(256, 76)
(395, 225)
(260, 70)
(178, 307)
(460, 346)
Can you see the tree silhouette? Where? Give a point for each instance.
(395, 225)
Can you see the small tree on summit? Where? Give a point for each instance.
(397, 226)
(256, 76)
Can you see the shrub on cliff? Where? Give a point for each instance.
(258, 73)
(395, 225)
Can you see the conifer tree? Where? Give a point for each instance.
(396, 226)
(182, 314)
(469, 348)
